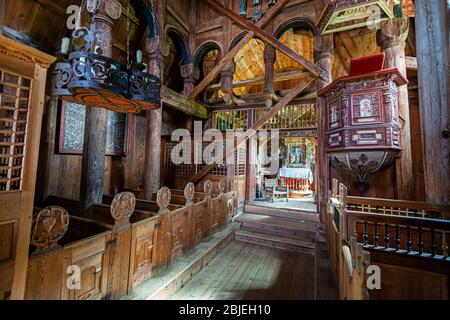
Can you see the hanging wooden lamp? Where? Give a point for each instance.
(89, 78)
(342, 15)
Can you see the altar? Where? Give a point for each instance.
(297, 179)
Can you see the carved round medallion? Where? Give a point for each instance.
(123, 205)
(189, 191)
(49, 226)
(222, 186)
(163, 198)
(207, 187)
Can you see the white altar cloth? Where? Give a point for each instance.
(296, 173)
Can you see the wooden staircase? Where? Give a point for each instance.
(283, 229)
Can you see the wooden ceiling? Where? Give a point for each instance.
(44, 22)
(250, 60)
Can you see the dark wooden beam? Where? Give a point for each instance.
(182, 103)
(257, 125)
(411, 63)
(268, 38)
(232, 53)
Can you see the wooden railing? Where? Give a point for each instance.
(409, 249)
(106, 252)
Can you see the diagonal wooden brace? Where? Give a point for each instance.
(232, 53)
(268, 38)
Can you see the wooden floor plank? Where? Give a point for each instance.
(247, 271)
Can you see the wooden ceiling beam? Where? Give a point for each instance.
(257, 125)
(268, 38)
(282, 76)
(180, 102)
(232, 53)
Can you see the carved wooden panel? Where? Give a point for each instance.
(199, 215)
(72, 131)
(45, 276)
(363, 112)
(142, 252)
(90, 257)
(177, 234)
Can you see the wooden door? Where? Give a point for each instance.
(23, 72)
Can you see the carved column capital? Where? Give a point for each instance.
(323, 47)
(156, 48)
(190, 74)
(108, 10)
(229, 68)
(270, 54)
(393, 32)
(226, 76)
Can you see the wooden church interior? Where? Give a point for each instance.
(93, 207)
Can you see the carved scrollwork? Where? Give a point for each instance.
(122, 208)
(49, 226)
(207, 187)
(163, 198)
(189, 191)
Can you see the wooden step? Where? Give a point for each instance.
(276, 242)
(294, 214)
(289, 228)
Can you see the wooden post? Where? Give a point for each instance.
(94, 147)
(252, 153)
(391, 38)
(323, 47)
(432, 62)
(157, 50)
(270, 56)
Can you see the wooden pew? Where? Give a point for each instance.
(116, 217)
(67, 247)
(116, 245)
(402, 246)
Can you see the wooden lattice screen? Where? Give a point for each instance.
(14, 106)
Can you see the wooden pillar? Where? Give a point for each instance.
(391, 38)
(94, 147)
(226, 80)
(270, 56)
(157, 50)
(252, 150)
(433, 73)
(323, 49)
(190, 75)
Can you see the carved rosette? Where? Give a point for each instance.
(207, 187)
(189, 191)
(163, 199)
(122, 208)
(49, 226)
